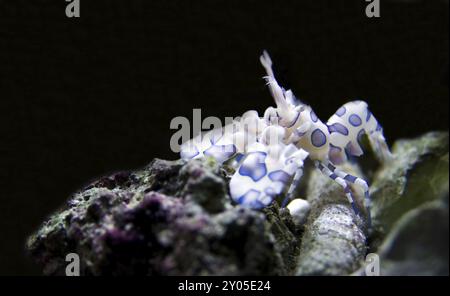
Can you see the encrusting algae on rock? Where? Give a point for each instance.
(170, 218)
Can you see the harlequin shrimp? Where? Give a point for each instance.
(269, 152)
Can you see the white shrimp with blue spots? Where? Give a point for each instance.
(270, 151)
(265, 170)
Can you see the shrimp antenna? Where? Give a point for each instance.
(277, 91)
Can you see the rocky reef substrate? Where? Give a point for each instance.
(177, 218)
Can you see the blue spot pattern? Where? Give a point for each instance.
(318, 138)
(280, 176)
(299, 134)
(338, 128)
(355, 120)
(251, 199)
(335, 154)
(314, 117)
(347, 149)
(350, 149)
(350, 178)
(369, 114)
(239, 157)
(295, 120)
(270, 192)
(341, 111)
(254, 166)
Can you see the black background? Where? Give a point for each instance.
(83, 97)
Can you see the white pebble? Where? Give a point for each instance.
(299, 209)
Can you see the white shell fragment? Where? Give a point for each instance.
(299, 209)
